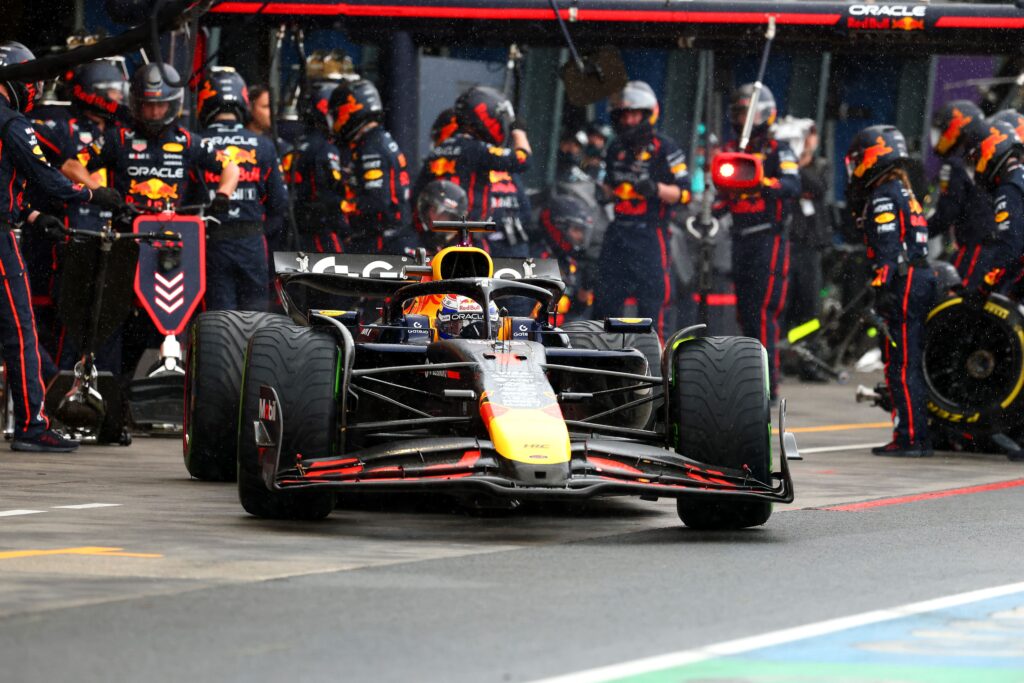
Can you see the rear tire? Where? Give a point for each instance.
(721, 416)
(213, 362)
(647, 343)
(301, 365)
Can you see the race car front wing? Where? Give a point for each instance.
(598, 467)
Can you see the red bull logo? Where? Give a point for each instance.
(988, 148)
(345, 111)
(908, 24)
(626, 191)
(442, 166)
(236, 155)
(154, 189)
(871, 155)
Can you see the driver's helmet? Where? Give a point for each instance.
(460, 317)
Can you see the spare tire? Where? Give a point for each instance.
(590, 334)
(213, 379)
(974, 365)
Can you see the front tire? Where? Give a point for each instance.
(721, 416)
(301, 365)
(213, 367)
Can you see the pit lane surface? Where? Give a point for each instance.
(114, 566)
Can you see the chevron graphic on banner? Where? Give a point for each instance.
(167, 298)
(161, 280)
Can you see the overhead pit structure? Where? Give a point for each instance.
(835, 26)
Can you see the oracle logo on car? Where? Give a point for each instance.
(916, 11)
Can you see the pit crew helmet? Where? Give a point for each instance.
(1012, 117)
(875, 151)
(222, 92)
(485, 113)
(568, 225)
(460, 317)
(22, 95)
(445, 125)
(635, 96)
(148, 85)
(989, 148)
(441, 200)
(764, 115)
(314, 104)
(352, 105)
(949, 123)
(92, 84)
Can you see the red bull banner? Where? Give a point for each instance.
(171, 276)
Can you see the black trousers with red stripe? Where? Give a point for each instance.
(760, 273)
(20, 344)
(904, 356)
(635, 261)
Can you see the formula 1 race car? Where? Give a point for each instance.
(443, 391)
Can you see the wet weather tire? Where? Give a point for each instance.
(213, 362)
(721, 416)
(301, 365)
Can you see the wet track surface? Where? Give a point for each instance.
(114, 566)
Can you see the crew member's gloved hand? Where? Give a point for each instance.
(51, 225)
(647, 187)
(107, 198)
(220, 204)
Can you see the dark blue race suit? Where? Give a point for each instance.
(469, 163)
(966, 210)
(896, 233)
(22, 164)
(64, 139)
(236, 248)
(376, 202)
(635, 256)
(314, 175)
(1001, 265)
(510, 211)
(760, 246)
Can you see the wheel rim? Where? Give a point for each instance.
(971, 359)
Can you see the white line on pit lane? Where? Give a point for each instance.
(87, 506)
(836, 449)
(15, 513)
(788, 635)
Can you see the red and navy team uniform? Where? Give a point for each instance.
(1003, 253)
(236, 247)
(376, 202)
(966, 209)
(22, 162)
(157, 172)
(314, 174)
(510, 210)
(469, 163)
(635, 256)
(760, 247)
(896, 233)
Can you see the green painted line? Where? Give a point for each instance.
(801, 331)
(748, 670)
